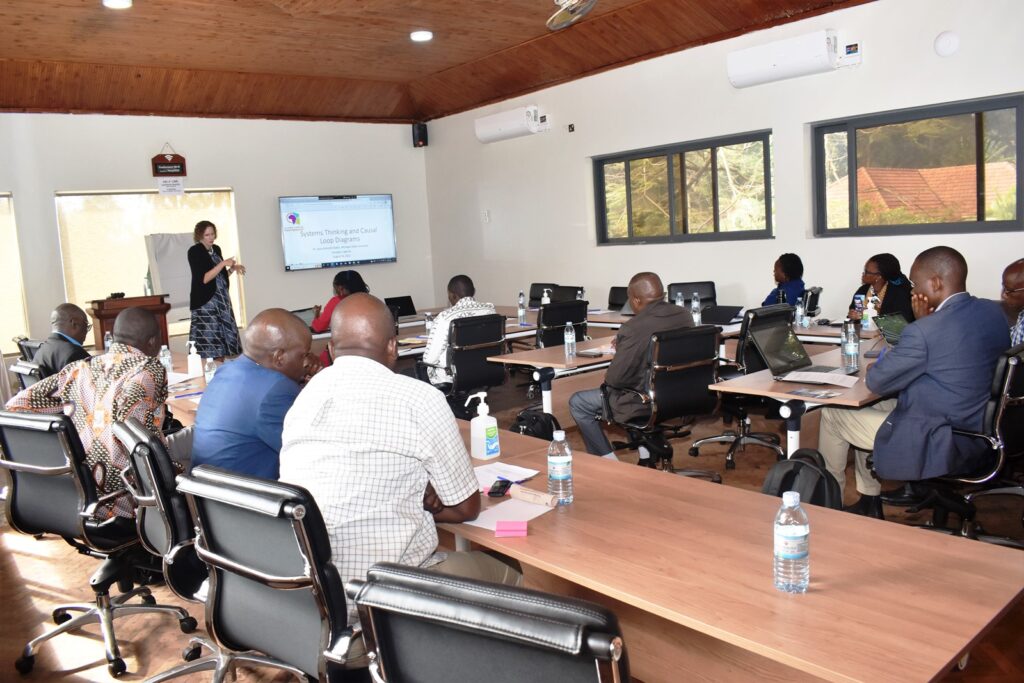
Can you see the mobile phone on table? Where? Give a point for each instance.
(499, 488)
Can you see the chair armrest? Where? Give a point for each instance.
(90, 509)
(338, 652)
(993, 442)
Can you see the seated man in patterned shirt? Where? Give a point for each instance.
(463, 305)
(126, 381)
(382, 456)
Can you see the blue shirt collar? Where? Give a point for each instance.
(71, 339)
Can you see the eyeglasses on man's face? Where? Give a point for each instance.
(1012, 291)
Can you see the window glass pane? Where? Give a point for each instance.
(103, 247)
(700, 206)
(837, 181)
(616, 218)
(677, 197)
(917, 172)
(12, 301)
(648, 194)
(1000, 146)
(741, 187)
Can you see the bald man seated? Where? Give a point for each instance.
(653, 314)
(68, 326)
(1013, 300)
(936, 379)
(382, 455)
(239, 421)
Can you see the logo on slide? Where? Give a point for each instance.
(293, 218)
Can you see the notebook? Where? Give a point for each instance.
(783, 353)
(891, 326)
(400, 305)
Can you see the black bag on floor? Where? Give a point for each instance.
(535, 422)
(805, 473)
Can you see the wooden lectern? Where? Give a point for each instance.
(103, 312)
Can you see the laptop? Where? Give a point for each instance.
(400, 304)
(307, 315)
(891, 326)
(719, 315)
(784, 353)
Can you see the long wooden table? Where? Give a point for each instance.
(687, 567)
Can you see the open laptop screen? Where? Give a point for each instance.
(401, 304)
(307, 315)
(780, 348)
(891, 326)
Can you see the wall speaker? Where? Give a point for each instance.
(419, 135)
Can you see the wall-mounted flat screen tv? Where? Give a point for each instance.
(342, 230)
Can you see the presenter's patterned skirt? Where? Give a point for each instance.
(213, 326)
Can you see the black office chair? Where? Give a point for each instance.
(810, 300)
(552, 319)
(617, 298)
(428, 627)
(275, 599)
(471, 341)
(1003, 432)
(565, 293)
(52, 491)
(705, 290)
(680, 365)
(28, 373)
(27, 347)
(537, 292)
(737, 406)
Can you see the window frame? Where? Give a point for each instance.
(851, 125)
(667, 151)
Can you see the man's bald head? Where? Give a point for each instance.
(138, 328)
(278, 340)
(939, 273)
(644, 289)
(1013, 287)
(363, 326)
(69, 319)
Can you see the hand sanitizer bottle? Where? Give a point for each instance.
(545, 298)
(695, 308)
(195, 363)
(483, 431)
(521, 313)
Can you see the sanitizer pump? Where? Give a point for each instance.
(483, 431)
(195, 362)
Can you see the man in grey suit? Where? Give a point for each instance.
(940, 373)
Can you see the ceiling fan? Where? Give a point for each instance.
(569, 12)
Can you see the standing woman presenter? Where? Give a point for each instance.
(213, 322)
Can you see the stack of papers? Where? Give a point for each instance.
(510, 511)
(487, 474)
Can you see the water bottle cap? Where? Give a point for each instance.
(791, 499)
(559, 435)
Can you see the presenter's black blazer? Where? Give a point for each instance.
(200, 262)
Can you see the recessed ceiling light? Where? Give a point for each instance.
(421, 36)
(117, 4)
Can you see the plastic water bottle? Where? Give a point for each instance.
(679, 299)
(579, 294)
(560, 469)
(792, 567)
(428, 321)
(569, 338)
(800, 313)
(165, 358)
(108, 339)
(522, 308)
(781, 295)
(210, 369)
(851, 347)
(695, 308)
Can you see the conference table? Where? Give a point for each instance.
(687, 567)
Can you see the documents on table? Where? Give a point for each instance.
(487, 474)
(175, 377)
(836, 378)
(731, 328)
(409, 341)
(511, 510)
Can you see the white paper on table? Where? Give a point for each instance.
(487, 474)
(836, 378)
(196, 400)
(731, 327)
(175, 377)
(512, 510)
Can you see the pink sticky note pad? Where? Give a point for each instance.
(505, 529)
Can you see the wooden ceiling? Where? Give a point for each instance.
(346, 60)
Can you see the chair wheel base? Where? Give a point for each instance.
(730, 464)
(24, 664)
(191, 653)
(188, 624)
(694, 452)
(148, 600)
(116, 667)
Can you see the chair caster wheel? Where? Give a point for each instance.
(188, 624)
(116, 667)
(191, 653)
(60, 616)
(24, 664)
(148, 600)
(694, 452)
(730, 464)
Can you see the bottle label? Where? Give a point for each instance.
(491, 447)
(559, 467)
(792, 546)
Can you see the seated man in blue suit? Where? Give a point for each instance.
(239, 421)
(940, 373)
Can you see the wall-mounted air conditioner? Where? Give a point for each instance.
(813, 53)
(510, 124)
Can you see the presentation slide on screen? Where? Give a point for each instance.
(325, 232)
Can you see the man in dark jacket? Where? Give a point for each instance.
(653, 314)
(64, 345)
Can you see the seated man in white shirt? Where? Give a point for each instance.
(463, 305)
(382, 456)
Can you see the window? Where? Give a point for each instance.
(706, 190)
(103, 247)
(13, 322)
(951, 168)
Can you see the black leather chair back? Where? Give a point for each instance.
(812, 295)
(565, 293)
(273, 587)
(426, 626)
(28, 347)
(705, 290)
(680, 366)
(537, 291)
(617, 297)
(1004, 415)
(552, 318)
(28, 373)
(747, 354)
(470, 342)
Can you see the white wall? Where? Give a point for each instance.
(539, 190)
(260, 160)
